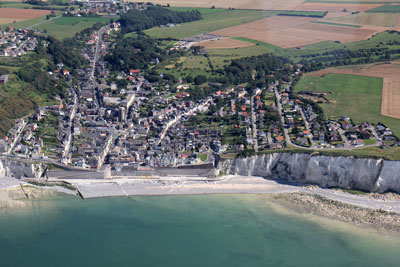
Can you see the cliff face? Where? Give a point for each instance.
(369, 175)
(9, 168)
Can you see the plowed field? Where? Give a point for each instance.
(22, 14)
(289, 32)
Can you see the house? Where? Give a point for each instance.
(3, 79)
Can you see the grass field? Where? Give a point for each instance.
(374, 19)
(337, 24)
(358, 97)
(27, 23)
(211, 22)
(386, 9)
(203, 11)
(68, 26)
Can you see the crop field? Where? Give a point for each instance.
(239, 4)
(210, 22)
(68, 26)
(391, 84)
(22, 14)
(386, 9)
(374, 19)
(289, 32)
(332, 7)
(225, 43)
(356, 96)
(337, 24)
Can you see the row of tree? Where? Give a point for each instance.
(135, 20)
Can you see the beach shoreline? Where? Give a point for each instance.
(379, 211)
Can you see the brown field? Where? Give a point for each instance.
(240, 4)
(375, 19)
(289, 32)
(22, 14)
(335, 7)
(390, 105)
(271, 4)
(225, 43)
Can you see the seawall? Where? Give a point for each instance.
(370, 175)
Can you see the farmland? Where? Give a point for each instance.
(391, 83)
(211, 22)
(337, 24)
(374, 19)
(289, 32)
(65, 27)
(386, 9)
(225, 43)
(239, 4)
(356, 96)
(22, 14)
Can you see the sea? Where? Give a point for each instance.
(203, 230)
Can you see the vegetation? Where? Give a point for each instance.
(211, 22)
(134, 53)
(313, 14)
(67, 27)
(386, 9)
(135, 20)
(338, 24)
(358, 97)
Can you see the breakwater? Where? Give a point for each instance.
(370, 175)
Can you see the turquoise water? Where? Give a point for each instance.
(234, 230)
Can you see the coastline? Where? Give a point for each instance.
(379, 211)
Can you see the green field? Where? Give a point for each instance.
(65, 27)
(27, 23)
(338, 24)
(319, 14)
(358, 97)
(203, 11)
(211, 22)
(11, 4)
(386, 9)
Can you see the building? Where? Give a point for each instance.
(3, 79)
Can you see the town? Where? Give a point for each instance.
(120, 119)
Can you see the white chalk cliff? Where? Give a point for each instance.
(371, 175)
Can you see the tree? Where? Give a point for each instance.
(189, 79)
(200, 79)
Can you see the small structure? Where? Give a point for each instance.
(3, 79)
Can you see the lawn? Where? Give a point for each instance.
(358, 97)
(68, 26)
(211, 22)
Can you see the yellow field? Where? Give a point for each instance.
(8, 20)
